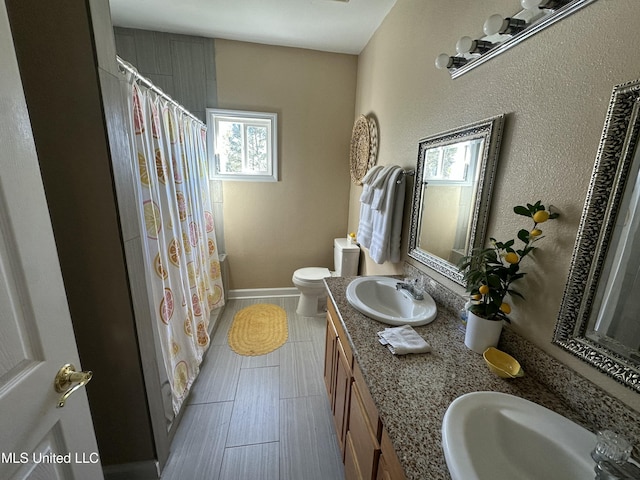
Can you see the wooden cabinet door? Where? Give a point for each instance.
(389, 467)
(330, 359)
(365, 443)
(383, 470)
(351, 468)
(342, 395)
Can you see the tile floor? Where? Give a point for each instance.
(259, 418)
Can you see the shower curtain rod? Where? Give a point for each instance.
(126, 66)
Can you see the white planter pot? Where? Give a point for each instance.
(481, 333)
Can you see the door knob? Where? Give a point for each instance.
(66, 377)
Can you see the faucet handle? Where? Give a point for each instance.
(613, 447)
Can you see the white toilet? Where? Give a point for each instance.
(309, 280)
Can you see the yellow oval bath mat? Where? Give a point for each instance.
(258, 329)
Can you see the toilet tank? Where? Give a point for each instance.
(345, 258)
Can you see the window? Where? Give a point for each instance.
(453, 164)
(243, 145)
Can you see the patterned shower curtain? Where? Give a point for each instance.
(174, 204)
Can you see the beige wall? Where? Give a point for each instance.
(555, 89)
(271, 229)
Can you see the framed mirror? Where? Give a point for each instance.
(599, 319)
(454, 180)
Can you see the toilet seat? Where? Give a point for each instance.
(311, 276)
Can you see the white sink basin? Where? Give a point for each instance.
(378, 298)
(491, 435)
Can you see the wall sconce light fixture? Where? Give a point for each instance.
(503, 33)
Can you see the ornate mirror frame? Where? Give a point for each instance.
(615, 156)
(491, 131)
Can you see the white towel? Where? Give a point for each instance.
(403, 340)
(386, 223)
(365, 225)
(380, 187)
(367, 184)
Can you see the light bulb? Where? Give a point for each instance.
(531, 4)
(468, 45)
(464, 45)
(493, 24)
(442, 61)
(545, 4)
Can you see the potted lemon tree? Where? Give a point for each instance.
(489, 274)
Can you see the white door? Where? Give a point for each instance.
(37, 439)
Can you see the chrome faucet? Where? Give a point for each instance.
(611, 454)
(411, 288)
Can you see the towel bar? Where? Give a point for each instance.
(405, 173)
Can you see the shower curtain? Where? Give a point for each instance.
(174, 206)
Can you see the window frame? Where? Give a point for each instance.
(246, 118)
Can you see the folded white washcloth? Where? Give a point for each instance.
(403, 340)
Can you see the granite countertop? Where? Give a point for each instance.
(412, 392)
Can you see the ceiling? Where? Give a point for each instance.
(328, 25)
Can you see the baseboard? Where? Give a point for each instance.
(132, 471)
(264, 292)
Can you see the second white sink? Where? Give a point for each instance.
(491, 435)
(378, 298)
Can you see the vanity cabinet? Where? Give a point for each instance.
(367, 451)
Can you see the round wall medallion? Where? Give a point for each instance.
(360, 149)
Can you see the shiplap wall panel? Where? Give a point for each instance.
(189, 73)
(126, 47)
(153, 49)
(183, 66)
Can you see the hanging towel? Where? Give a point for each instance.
(403, 340)
(380, 187)
(367, 184)
(365, 225)
(387, 222)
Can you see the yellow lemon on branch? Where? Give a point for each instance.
(541, 216)
(512, 258)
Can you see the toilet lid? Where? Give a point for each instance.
(312, 273)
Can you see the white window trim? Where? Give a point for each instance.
(272, 118)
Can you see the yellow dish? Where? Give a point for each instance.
(502, 364)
